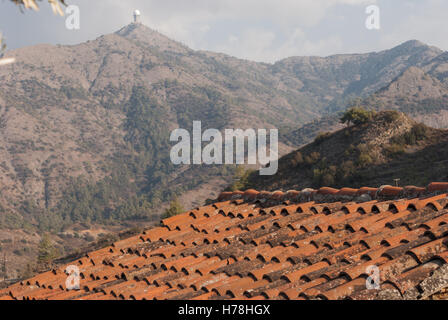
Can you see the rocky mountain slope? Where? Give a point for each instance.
(388, 147)
(103, 110)
(70, 111)
(84, 129)
(416, 92)
(419, 89)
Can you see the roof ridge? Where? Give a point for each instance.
(328, 194)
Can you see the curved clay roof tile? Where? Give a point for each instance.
(237, 194)
(437, 186)
(327, 190)
(292, 195)
(218, 250)
(250, 194)
(278, 195)
(264, 195)
(367, 190)
(414, 189)
(348, 192)
(390, 191)
(224, 196)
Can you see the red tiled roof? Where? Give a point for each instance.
(313, 244)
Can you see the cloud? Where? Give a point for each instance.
(262, 30)
(421, 20)
(305, 12)
(267, 30)
(263, 45)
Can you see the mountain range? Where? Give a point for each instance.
(84, 129)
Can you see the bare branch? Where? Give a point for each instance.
(28, 4)
(32, 4)
(6, 61)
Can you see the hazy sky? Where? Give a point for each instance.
(262, 30)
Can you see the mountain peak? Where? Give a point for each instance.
(413, 44)
(133, 28)
(417, 45)
(141, 33)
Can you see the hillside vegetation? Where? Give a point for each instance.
(84, 129)
(385, 147)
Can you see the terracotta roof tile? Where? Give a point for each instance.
(327, 190)
(389, 191)
(438, 186)
(368, 191)
(309, 244)
(348, 192)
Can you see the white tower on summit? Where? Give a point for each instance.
(137, 15)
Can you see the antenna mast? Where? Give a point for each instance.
(137, 15)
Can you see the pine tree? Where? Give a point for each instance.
(47, 252)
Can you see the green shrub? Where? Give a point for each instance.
(346, 169)
(88, 237)
(297, 159)
(105, 240)
(394, 149)
(241, 178)
(312, 158)
(74, 93)
(18, 252)
(357, 116)
(350, 150)
(417, 133)
(174, 209)
(364, 160)
(391, 115)
(328, 179)
(362, 148)
(321, 137)
(11, 221)
(325, 177)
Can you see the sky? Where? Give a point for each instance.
(260, 30)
